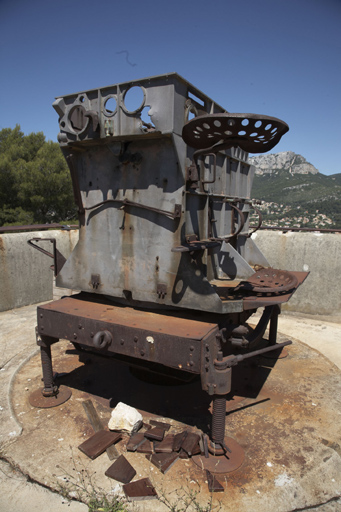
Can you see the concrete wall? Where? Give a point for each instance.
(318, 253)
(25, 274)
(26, 278)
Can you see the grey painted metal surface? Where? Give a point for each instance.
(140, 202)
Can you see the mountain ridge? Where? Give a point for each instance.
(294, 192)
(288, 160)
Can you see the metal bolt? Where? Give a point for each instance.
(41, 315)
(142, 352)
(191, 363)
(79, 326)
(91, 335)
(122, 342)
(191, 348)
(136, 338)
(75, 335)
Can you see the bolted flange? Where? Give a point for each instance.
(37, 398)
(222, 463)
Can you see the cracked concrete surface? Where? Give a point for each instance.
(19, 353)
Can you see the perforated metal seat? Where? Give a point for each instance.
(251, 132)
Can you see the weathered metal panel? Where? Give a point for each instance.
(144, 194)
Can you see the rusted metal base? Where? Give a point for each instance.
(37, 399)
(223, 463)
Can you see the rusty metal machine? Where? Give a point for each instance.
(165, 265)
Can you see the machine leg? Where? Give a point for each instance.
(218, 420)
(277, 354)
(50, 395)
(225, 454)
(273, 325)
(46, 363)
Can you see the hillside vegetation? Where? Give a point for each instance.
(294, 198)
(35, 186)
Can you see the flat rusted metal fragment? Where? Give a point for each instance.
(97, 425)
(213, 484)
(98, 443)
(190, 443)
(160, 424)
(155, 434)
(121, 470)
(163, 461)
(197, 449)
(140, 490)
(135, 441)
(178, 440)
(183, 454)
(165, 446)
(145, 447)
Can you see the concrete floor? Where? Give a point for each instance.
(290, 430)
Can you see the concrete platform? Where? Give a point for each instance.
(289, 428)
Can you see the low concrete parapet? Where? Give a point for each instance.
(318, 253)
(25, 273)
(26, 277)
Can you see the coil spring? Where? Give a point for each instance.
(46, 363)
(218, 419)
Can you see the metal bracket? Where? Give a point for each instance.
(58, 258)
(161, 290)
(95, 281)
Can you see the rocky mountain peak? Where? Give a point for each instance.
(287, 160)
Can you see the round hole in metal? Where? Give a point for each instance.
(134, 98)
(110, 105)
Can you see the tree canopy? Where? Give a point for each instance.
(35, 182)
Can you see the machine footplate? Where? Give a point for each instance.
(37, 399)
(222, 463)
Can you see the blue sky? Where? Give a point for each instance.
(276, 57)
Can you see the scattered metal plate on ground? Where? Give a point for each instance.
(135, 441)
(155, 434)
(98, 443)
(213, 484)
(166, 445)
(160, 424)
(178, 440)
(163, 461)
(97, 425)
(140, 490)
(222, 464)
(191, 443)
(37, 399)
(145, 447)
(121, 470)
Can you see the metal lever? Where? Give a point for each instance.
(58, 258)
(230, 361)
